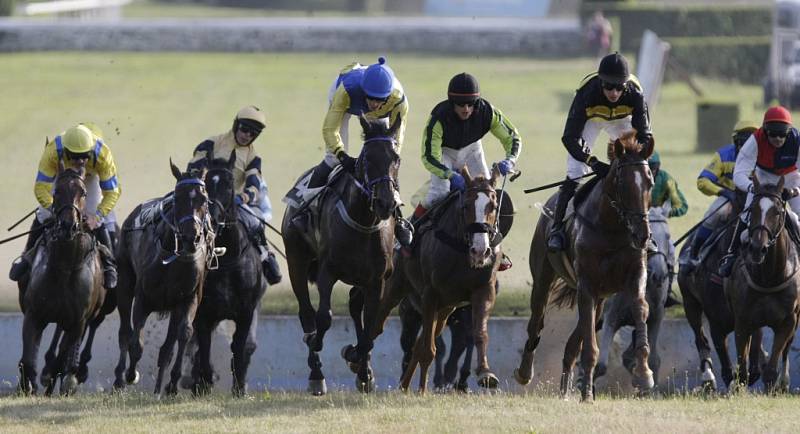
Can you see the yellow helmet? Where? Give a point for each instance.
(253, 114)
(93, 128)
(745, 126)
(78, 139)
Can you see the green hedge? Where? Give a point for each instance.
(742, 59)
(6, 8)
(692, 20)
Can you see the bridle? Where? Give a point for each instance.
(626, 215)
(225, 206)
(176, 221)
(367, 185)
(772, 236)
(475, 227)
(74, 229)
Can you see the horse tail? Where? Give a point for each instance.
(563, 295)
(313, 269)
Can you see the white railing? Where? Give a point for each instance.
(83, 9)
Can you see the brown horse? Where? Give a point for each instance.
(162, 268)
(352, 242)
(455, 262)
(765, 289)
(607, 251)
(65, 287)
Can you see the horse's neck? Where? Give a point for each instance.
(779, 263)
(65, 254)
(450, 221)
(357, 203)
(597, 209)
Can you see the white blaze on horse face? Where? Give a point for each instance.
(480, 241)
(764, 205)
(637, 178)
(215, 179)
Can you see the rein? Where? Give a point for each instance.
(772, 239)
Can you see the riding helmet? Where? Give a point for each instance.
(378, 80)
(745, 126)
(463, 88)
(78, 139)
(251, 116)
(777, 114)
(614, 69)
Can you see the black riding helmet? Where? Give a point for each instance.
(463, 88)
(614, 69)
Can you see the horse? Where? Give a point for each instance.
(607, 252)
(619, 311)
(702, 293)
(65, 287)
(454, 262)
(234, 286)
(765, 289)
(162, 268)
(353, 242)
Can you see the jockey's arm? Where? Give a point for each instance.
(506, 132)
(676, 198)
(199, 159)
(252, 181)
(333, 121)
(109, 185)
(432, 148)
(400, 110)
(745, 163)
(708, 181)
(640, 120)
(573, 129)
(48, 168)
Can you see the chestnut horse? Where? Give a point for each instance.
(607, 250)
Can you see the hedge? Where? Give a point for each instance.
(6, 8)
(742, 59)
(682, 21)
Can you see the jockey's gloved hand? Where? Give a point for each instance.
(789, 193)
(241, 198)
(457, 182)
(729, 194)
(44, 214)
(348, 162)
(599, 167)
(505, 167)
(644, 138)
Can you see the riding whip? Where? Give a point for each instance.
(259, 218)
(694, 228)
(24, 233)
(22, 219)
(557, 184)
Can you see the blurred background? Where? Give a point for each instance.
(159, 76)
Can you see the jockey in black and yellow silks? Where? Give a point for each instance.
(249, 186)
(81, 146)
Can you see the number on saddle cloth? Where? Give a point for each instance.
(300, 193)
(151, 211)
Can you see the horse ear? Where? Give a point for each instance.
(232, 160)
(365, 124)
(648, 148)
(495, 175)
(466, 175)
(619, 149)
(175, 171)
(781, 182)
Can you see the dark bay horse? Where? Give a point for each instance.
(234, 286)
(454, 262)
(703, 294)
(162, 268)
(619, 309)
(352, 242)
(764, 290)
(65, 287)
(607, 251)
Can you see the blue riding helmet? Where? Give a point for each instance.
(377, 80)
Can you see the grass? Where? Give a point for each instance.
(156, 106)
(394, 412)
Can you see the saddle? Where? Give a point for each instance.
(303, 196)
(151, 212)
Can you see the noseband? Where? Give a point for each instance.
(368, 185)
(74, 229)
(176, 220)
(229, 210)
(627, 216)
(479, 228)
(772, 237)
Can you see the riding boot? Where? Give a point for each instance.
(269, 263)
(698, 240)
(726, 263)
(403, 229)
(21, 265)
(558, 239)
(302, 220)
(102, 236)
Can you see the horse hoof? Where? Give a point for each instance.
(187, 382)
(349, 354)
(119, 385)
(239, 391)
(365, 386)
(520, 379)
(200, 388)
(26, 388)
(488, 380)
(45, 379)
(317, 387)
(644, 382)
(132, 378)
(83, 374)
(69, 385)
(171, 390)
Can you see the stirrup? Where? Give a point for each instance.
(19, 268)
(109, 277)
(404, 232)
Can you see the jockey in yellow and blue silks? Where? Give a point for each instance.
(249, 185)
(81, 146)
(373, 92)
(716, 179)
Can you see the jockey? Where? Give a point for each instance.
(251, 190)
(79, 147)
(609, 100)
(374, 92)
(770, 152)
(716, 179)
(452, 139)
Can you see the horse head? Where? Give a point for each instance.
(479, 207)
(69, 197)
(767, 218)
(627, 187)
(378, 165)
(221, 189)
(190, 211)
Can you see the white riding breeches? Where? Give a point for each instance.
(591, 130)
(455, 159)
(93, 197)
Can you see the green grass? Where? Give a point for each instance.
(156, 106)
(394, 412)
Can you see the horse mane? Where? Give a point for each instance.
(628, 142)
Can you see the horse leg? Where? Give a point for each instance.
(410, 324)
(394, 291)
(785, 379)
(742, 334)
(314, 340)
(184, 333)
(783, 334)
(718, 337)
(587, 309)
(693, 311)
(424, 343)
(31, 338)
(365, 381)
(202, 373)
(167, 348)
(539, 297)
(653, 328)
(469, 345)
(355, 305)
(136, 343)
(50, 371)
(571, 350)
(460, 323)
(758, 357)
(610, 326)
(642, 375)
(298, 275)
(86, 354)
(482, 303)
(438, 370)
(68, 354)
(242, 347)
(429, 347)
